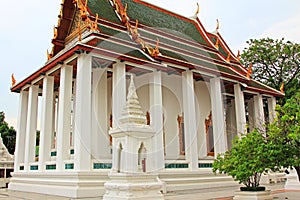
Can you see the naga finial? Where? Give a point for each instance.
(238, 56)
(55, 32)
(94, 26)
(228, 57)
(198, 9)
(282, 87)
(249, 71)
(217, 26)
(13, 80)
(83, 10)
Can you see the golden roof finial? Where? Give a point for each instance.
(48, 55)
(95, 24)
(217, 43)
(123, 13)
(217, 26)
(13, 80)
(238, 56)
(55, 32)
(198, 9)
(249, 72)
(282, 87)
(228, 57)
(83, 10)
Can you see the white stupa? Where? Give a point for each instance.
(132, 175)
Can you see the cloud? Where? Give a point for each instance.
(288, 29)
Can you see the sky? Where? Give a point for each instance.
(27, 29)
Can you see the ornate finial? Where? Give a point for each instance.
(198, 9)
(228, 57)
(134, 31)
(79, 31)
(249, 72)
(95, 24)
(83, 9)
(282, 87)
(123, 13)
(217, 43)
(55, 32)
(238, 56)
(154, 52)
(48, 55)
(13, 80)
(217, 26)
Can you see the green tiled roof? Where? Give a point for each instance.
(166, 22)
(104, 10)
(169, 23)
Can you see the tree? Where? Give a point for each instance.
(246, 160)
(8, 134)
(274, 62)
(284, 135)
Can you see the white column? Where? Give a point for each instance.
(82, 144)
(240, 110)
(259, 118)
(190, 129)
(100, 141)
(251, 114)
(31, 126)
(271, 109)
(64, 117)
(21, 130)
(218, 119)
(46, 123)
(73, 114)
(54, 121)
(118, 91)
(231, 123)
(156, 119)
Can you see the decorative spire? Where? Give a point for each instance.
(217, 26)
(196, 13)
(238, 56)
(249, 72)
(13, 80)
(282, 87)
(132, 114)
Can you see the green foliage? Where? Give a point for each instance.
(246, 161)
(8, 134)
(284, 134)
(274, 62)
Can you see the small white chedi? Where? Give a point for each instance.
(292, 181)
(4, 154)
(133, 172)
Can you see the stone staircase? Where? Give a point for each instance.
(202, 179)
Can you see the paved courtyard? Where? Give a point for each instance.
(222, 194)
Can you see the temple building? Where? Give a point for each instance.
(192, 92)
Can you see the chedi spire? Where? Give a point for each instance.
(132, 114)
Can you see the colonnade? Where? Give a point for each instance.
(76, 108)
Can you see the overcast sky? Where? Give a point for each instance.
(27, 29)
